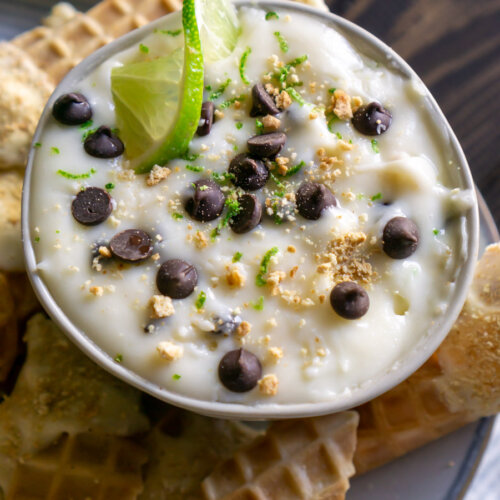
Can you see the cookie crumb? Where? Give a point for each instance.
(276, 353)
(98, 291)
(200, 240)
(170, 351)
(270, 122)
(283, 100)
(342, 105)
(234, 277)
(161, 306)
(157, 174)
(243, 329)
(268, 385)
(104, 252)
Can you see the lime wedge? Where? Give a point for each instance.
(158, 101)
(219, 28)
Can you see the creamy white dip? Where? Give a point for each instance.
(312, 353)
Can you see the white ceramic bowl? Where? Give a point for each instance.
(461, 177)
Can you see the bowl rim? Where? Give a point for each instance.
(366, 392)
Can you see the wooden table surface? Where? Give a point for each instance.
(454, 45)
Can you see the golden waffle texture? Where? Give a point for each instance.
(81, 467)
(58, 50)
(295, 460)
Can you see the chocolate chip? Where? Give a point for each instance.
(372, 119)
(349, 300)
(131, 245)
(249, 173)
(103, 144)
(249, 215)
(239, 370)
(227, 325)
(262, 103)
(266, 145)
(176, 278)
(206, 118)
(207, 201)
(312, 198)
(400, 238)
(72, 109)
(91, 206)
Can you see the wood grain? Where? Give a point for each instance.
(454, 45)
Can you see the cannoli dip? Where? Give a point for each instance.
(302, 247)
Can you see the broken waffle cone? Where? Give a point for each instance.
(457, 385)
(296, 459)
(80, 467)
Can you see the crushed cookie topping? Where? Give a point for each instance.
(341, 103)
(345, 259)
(157, 174)
(170, 351)
(283, 100)
(234, 277)
(243, 329)
(161, 306)
(268, 385)
(270, 123)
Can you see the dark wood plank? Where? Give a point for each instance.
(454, 45)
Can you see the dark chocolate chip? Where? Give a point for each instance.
(131, 245)
(227, 325)
(176, 278)
(312, 198)
(72, 109)
(349, 300)
(249, 215)
(239, 370)
(206, 118)
(266, 145)
(91, 206)
(372, 119)
(262, 103)
(207, 201)
(103, 144)
(400, 238)
(249, 173)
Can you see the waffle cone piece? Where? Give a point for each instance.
(296, 459)
(81, 467)
(457, 385)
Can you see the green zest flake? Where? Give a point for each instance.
(239, 125)
(88, 132)
(271, 15)
(339, 135)
(217, 93)
(332, 90)
(222, 177)
(226, 104)
(143, 48)
(195, 168)
(233, 208)
(281, 40)
(177, 216)
(200, 301)
(57, 231)
(278, 183)
(208, 88)
(259, 126)
(259, 304)
(37, 239)
(176, 376)
(435, 231)
(37, 145)
(169, 32)
(54, 150)
(87, 124)
(237, 256)
(376, 197)
(375, 146)
(296, 84)
(295, 95)
(296, 168)
(69, 175)
(243, 62)
(109, 186)
(332, 118)
(119, 358)
(264, 264)
(190, 157)
(360, 196)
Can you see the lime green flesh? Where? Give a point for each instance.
(158, 102)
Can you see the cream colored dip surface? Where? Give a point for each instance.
(314, 354)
